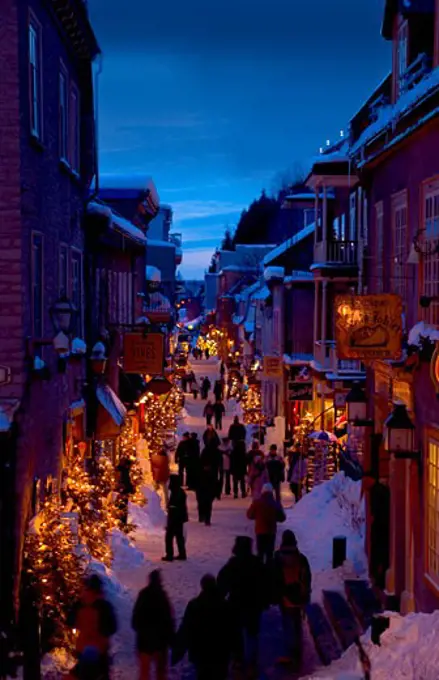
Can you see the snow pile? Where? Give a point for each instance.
(334, 508)
(422, 331)
(409, 651)
(150, 518)
(125, 553)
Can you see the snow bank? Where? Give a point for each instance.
(125, 553)
(150, 518)
(334, 508)
(409, 651)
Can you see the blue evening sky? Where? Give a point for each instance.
(214, 99)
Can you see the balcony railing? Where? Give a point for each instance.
(325, 355)
(336, 252)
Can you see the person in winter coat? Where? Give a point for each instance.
(194, 388)
(219, 412)
(210, 437)
(218, 390)
(177, 518)
(297, 475)
(161, 472)
(207, 633)
(182, 455)
(244, 581)
(257, 476)
(95, 621)
(266, 512)
(255, 452)
(292, 577)
(193, 461)
(225, 450)
(276, 470)
(153, 623)
(205, 387)
(207, 491)
(238, 468)
(237, 431)
(208, 412)
(125, 488)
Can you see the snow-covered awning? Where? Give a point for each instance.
(297, 359)
(422, 330)
(117, 222)
(111, 403)
(297, 277)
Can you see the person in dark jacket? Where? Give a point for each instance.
(219, 412)
(237, 431)
(218, 390)
(207, 633)
(238, 468)
(276, 470)
(153, 623)
(193, 461)
(222, 369)
(210, 437)
(292, 577)
(205, 387)
(208, 487)
(244, 581)
(177, 517)
(266, 512)
(209, 412)
(206, 353)
(95, 621)
(182, 455)
(125, 488)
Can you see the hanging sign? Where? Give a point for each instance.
(368, 327)
(299, 391)
(273, 367)
(144, 353)
(434, 368)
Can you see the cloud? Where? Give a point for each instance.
(191, 210)
(195, 262)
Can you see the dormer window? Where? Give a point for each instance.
(402, 54)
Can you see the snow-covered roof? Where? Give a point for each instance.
(246, 292)
(297, 358)
(309, 196)
(274, 273)
(388, 115)
(117, 222)
(262, 294)
(128, 186)
(8, 407)
(111, 403)
(339, 154)
(298, 276)
(422, 330)
(239, 268)
(289, 243)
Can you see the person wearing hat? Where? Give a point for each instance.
(244, 582)
(292, 577)
(266, 512)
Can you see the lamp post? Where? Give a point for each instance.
(62, 313)
(98, 359)
(399, 434)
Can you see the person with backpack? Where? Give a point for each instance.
(292, 578)
(266, 512)
(276, 470)
(244, 582)
(297, 474)
(208, 412)
(177, 518)
(95, 621)
(219, 412)
(154, 625)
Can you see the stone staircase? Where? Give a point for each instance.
(342, 618)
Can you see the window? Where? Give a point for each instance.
(63, 285)
(308, 216)
(379, 248)
(430, 260)
(432, 538)
(402, 53)
(76, 290)
(35, 78)
(75, 130)
(37, 285)
(399, 234)
(352, 217)
(63, 116)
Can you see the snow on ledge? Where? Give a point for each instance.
(274, 273)
(422, 330)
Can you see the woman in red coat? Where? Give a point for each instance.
(161, 472)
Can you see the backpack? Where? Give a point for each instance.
(295, 590)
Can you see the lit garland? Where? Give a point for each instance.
(252, 405)
(161, 415)
(210, 341)
(128, 450)
(55, 571)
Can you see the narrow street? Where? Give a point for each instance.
(208, 549)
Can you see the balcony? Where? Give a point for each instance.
(325, 355)
(336, 252)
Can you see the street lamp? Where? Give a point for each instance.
(356, 406)
(61, 314)
(98, 360)
(399, 433)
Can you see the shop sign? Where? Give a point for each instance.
(368, 327)
(144, 353)
(273, 367)
(299, 391)
(434, 368)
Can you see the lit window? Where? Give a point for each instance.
(35, 78)
(432, 503)
(63, 117)
(37, 285)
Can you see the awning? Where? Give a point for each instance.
(111, 403)
(8, 408)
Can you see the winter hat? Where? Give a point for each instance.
(267, 488)
(289, 539)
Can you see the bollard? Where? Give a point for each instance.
(338, 551)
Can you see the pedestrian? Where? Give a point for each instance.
(207, 633)
(218, 390)
(207, 353)
(255, 452)
(206, 385)
(219, 412)
(161, 472)
(276, 470)
(181, 456)
(222, 369)
(225, 478)
(208, 412)
(257, 476)
(177, 518)
(237, 431)
(193, 461)
(238, 468)
(297, 474)
(125, 488)
(244, 581)
(153, 623)
(266, 512)
(194, 388)
(95, 621)
(207, 490)
(210, 437)
(292, 578)
(184, 379)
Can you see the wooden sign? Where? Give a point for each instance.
(273, 367)
(299, 391)
(144, 353)
(368, 327)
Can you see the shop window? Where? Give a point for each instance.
(432, 537)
